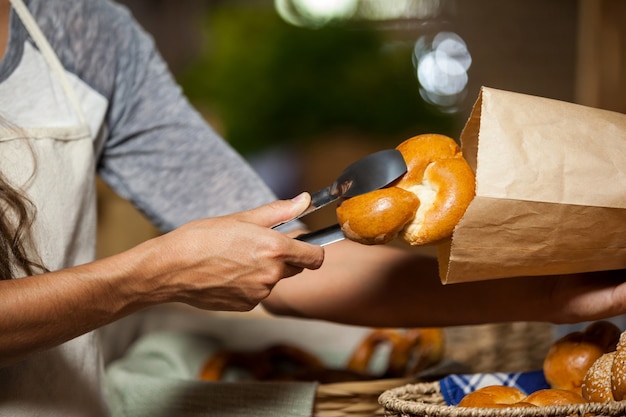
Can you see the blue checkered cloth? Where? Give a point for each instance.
(455, 386)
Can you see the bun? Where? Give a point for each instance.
(442, 183)
(549, 397)
(604, 333)
(618, 370)
(493, 396)
(606, 379)
(500, 396)
(596, 386)
(570, 357)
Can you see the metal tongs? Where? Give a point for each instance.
(370, 173)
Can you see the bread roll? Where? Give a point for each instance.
(618, 370)
(500, 396)
(442, 183)
(493, 396)
(570, 357)
(596, 386)
(551, 397)
(604, 333)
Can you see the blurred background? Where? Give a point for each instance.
(304, 87)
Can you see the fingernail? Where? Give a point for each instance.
(299, 198)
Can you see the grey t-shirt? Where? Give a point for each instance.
(151, 146)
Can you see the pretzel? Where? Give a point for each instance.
(273, 362)
(423, 206)
(409, 351)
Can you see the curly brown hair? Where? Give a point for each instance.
(17, 214)
(16, 218)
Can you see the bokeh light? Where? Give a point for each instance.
(442, 62)
(399, 9)
(315, 13)
(441, 58)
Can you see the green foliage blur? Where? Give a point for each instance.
(270, 83)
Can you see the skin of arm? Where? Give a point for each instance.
(211, 264)
(388, 286)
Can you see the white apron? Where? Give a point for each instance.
(54, 163)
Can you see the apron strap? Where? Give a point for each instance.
(48, 53)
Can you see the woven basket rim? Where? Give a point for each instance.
(353, 398)
(367, 387)
(407, 400)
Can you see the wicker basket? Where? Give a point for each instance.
(425, 399)
(511, 347)
(353, 399)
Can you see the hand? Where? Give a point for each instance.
(231, 262)
(587, 296)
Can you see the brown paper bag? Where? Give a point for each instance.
(550, 190)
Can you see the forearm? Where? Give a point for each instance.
(381, 286)
(42, 311)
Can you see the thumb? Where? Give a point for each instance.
(279, 211)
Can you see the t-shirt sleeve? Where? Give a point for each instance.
(158, 152)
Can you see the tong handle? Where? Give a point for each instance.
(323, 237)
(319, 199)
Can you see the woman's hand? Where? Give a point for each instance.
(230, 262)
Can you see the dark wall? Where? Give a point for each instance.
(522, 45)
(527, 46)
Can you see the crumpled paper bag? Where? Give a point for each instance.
(550, 190)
